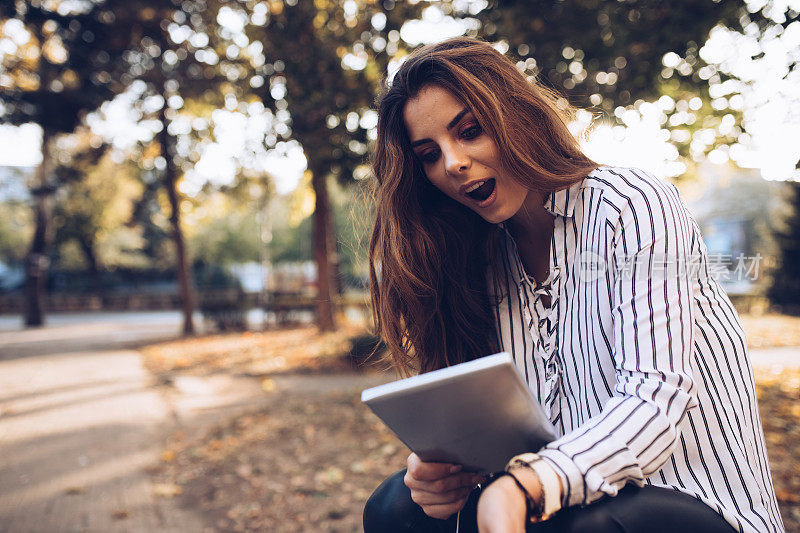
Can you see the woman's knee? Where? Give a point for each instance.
(390, 508)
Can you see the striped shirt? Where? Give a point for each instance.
(640, 360)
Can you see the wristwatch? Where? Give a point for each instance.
(551, 485)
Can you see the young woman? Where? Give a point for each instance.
(494, 232)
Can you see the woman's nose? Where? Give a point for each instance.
(455, 160)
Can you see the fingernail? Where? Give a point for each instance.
(455, 468)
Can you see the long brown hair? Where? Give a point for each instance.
(428, 254)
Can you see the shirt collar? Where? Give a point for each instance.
(562, 202)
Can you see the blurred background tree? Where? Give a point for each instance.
(178, 68)
(148, 214)
(53, 72)
(214, 92)
(607, 53)
(322, 64)
(181, 72)
(92, 216)
(615, 58)
(16, 228)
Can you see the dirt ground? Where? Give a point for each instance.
(308, 462)
(305, 464)
(779, 406)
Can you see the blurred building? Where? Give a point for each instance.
(737, 211)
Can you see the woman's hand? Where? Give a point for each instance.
(441, 489)
(502, 508)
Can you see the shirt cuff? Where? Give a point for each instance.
(572, 482)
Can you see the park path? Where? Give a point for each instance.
(81, 421)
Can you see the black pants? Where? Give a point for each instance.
(634, 510)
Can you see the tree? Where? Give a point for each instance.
(95, 214)
(68, 64)
(614, 52)
(52, 72)
(180, 65)
(16, 228)
(606, 56)
(224, 230)
(148, 215)
(322, 64)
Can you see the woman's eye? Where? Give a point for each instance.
(471, 131)
(430, 156)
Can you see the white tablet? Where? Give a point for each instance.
(478, 414)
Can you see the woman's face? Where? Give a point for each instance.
(458, 157)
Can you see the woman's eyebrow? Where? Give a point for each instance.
(450, 126)
(457, 118)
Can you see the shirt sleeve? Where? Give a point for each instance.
(653, 321)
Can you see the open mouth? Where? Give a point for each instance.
(481, 190)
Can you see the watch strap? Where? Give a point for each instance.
(551, 485)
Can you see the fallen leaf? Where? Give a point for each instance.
(268, 384)
(786, 496)
(358, 467)
(167, 490)
(388, 449)
(167, 456)
(332, 475)
(244, 471)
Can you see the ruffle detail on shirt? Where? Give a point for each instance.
(548, 333)
(545, 332)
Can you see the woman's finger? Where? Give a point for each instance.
(443, 512)
(421, 470)
(445, 484)
(422, 498)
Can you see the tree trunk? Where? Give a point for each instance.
(324, 252)
(88, 248)
(265, 223)
(185, 283)
(36, 262)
